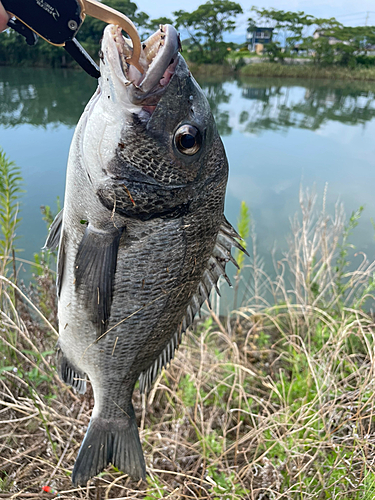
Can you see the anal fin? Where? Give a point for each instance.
(70, 375)
(148, 376)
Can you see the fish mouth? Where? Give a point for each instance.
(158, 59)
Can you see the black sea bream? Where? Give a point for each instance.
(142, 237)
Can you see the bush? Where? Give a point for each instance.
(213, 54)
(367, 61)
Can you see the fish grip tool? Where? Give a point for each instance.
(58, 21)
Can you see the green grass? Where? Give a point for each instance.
(276, 70)
(234, 65)
(235, 54)
(210, 69)
(10, 191)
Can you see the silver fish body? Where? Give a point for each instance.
(142, 238)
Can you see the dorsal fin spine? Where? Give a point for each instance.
(226, 238)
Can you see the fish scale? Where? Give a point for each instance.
(142, 241)
(153, 297)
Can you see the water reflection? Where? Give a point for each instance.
(307, 105)
(42, 97)
(217, 95)
(277, 133)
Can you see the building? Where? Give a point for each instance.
(332, 40)
(257, 37)
(370, 50)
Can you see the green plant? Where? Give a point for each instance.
(188, 391)
(35, 375)
(342, 260)
(243, 225)
(43, 270)
(10, 190)
(367, 490)
(155, 489)
(5, 482)
(48, 215)
(206, 26)
(226, 484)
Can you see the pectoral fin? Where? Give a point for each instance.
(94, 269)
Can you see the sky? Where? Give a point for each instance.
(346, 11)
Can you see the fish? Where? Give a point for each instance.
(142, 238)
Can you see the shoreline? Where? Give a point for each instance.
(277, 70)
(259, 70)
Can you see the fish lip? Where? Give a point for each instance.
(159, 58)
(165, 58)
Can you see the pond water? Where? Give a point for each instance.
(277, 134)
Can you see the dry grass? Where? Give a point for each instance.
(274, 402)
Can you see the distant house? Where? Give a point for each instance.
(370, 50)
(257, 37)
(332, 40)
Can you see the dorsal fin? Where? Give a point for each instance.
(226, 238)
(53, 238)
(60, 263)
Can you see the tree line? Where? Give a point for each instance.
(204, 29)
(325, 39)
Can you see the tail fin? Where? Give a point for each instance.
(110, 441)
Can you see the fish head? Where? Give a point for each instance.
(165, 134)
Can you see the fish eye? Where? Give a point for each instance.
(188, 140)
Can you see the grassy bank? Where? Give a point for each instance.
(275, 70)
(211, 69)
(263, 69)
(275, 401)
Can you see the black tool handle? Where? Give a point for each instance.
(56, 21)
(22, 29)
(84, 59)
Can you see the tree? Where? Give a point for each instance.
(291, 28)
(350, 43)
(326, 39)
(206, 26)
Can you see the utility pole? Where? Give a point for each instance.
(367, 14)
